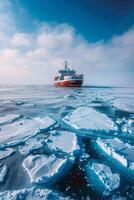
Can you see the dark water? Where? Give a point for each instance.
(39, 101)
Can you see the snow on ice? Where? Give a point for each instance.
(63, 141)
(44, 169)
(89, 119)
(14, 133)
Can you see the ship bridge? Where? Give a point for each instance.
(66, 71)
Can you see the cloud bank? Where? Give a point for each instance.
(34, 58)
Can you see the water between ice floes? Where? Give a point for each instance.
(66, 143)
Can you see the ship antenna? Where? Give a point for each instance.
(66, 65)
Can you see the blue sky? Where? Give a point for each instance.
(94, 19)
(95, 36)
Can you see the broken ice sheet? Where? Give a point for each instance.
(45, 122)
(102, 178)
(89, 119)
(63, 141)
(122, 154)
(41, 102)
(14, 133)
(31, 145)
(128, 126)
(44, 169)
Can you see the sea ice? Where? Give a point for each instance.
(44, 169)
(45, 122)
(21, 130)
(63, 141)
(103, 180)
(31, 194)
(6, 152)
(89, 119)
(125, 104)
(128, 126)
(122, 154)
(19, 102)
(3, 173)
(25, 194)
(8, 118)
(31, 145)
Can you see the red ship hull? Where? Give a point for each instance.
(69, 83)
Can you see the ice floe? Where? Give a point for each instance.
(44, 169)
(63, 141)
(31, 145)
(89, 119)
(122, 154)
(102, 178)
(8, 118)
(19, 131)
(6, 152)
(45, 122)
(19, 102)
(3, 173)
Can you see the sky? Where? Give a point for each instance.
(95, 36)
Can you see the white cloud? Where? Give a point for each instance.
(52, 36)
(36, 57)
(20, 39)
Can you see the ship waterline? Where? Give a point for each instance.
(69, 83)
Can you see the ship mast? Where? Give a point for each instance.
(66, 65)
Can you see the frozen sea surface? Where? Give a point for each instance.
(66, 143)
(8, 118)
(19, 131)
